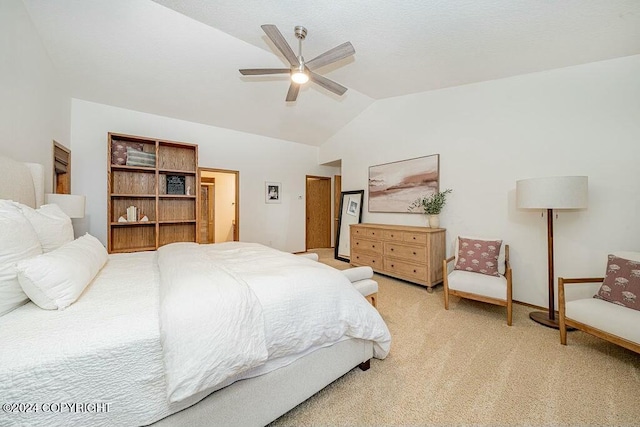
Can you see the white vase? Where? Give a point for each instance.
(434, 221)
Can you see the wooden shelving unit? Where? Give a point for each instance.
(171, 217)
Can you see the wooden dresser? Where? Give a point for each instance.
(410, 253)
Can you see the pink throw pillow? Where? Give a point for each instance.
(119, 151)
(478, 256)
(621, 284)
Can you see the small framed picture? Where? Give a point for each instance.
(272, 192)
(352, 206)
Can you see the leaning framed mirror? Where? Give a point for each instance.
(350, 213)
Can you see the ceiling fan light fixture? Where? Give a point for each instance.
(299, 75)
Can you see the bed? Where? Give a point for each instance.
(142, 345)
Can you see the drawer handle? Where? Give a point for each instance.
(391, 249)
(414, 253)
(357, 243)
(414, 271)
(373, 261)
(414, 238)
(392, 265)
(373, 246)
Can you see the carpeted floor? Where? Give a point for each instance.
(465, 366)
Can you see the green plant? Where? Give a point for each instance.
(433, 204)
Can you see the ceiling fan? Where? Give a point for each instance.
(301, 70)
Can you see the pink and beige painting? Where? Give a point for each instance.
(394, 186)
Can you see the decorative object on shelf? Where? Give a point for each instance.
(119, 151)
(272, 192)
(132, 214)
(393, 186)
(71, 204)
(144, 219)
(432, 206)
(122, 219)
(176, 184)
(188, 190)
(140, 158)
(558, 192)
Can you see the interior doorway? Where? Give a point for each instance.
(318, 212)
(219, 205)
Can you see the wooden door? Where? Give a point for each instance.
(318, 212)
(207, 213)
(337, 190)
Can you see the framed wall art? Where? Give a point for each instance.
(394, 186)
(272, 192)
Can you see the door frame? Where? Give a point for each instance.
(236, 234)
(328, 202)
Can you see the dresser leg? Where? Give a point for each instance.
(429, 290)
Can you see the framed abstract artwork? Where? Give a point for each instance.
(394, 186)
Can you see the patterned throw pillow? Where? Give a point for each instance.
(478, 256)
(119, 151)
(140, 158)
(621, 284)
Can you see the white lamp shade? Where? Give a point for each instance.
(556, 192)
(70, 204)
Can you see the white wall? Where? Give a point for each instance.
(34, 104)
(258, 159)
(582, 120)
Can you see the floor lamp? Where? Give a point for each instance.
(558, 192)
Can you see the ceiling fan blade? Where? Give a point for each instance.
(330, 85)
(331, 56)
(261, 71)
(292, 95)
(276, 37)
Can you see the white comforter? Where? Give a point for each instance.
(226, 308)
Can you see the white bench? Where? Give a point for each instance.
(360, 277)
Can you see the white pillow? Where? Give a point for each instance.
(52, 225)
(18, 240)
(56, 279)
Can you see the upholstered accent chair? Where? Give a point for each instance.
(481, 272)
(607, 307)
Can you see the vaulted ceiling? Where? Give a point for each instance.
(180, 58)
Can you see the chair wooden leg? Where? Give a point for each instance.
(445, 285)
(509, 312)
(561, 312)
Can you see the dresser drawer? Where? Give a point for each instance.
(366, 232)
(408, 236)
(416, 254)
(393, 235)
(359, 258)
(406, 269)
(367, 246)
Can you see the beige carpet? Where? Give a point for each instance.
(465, 366)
